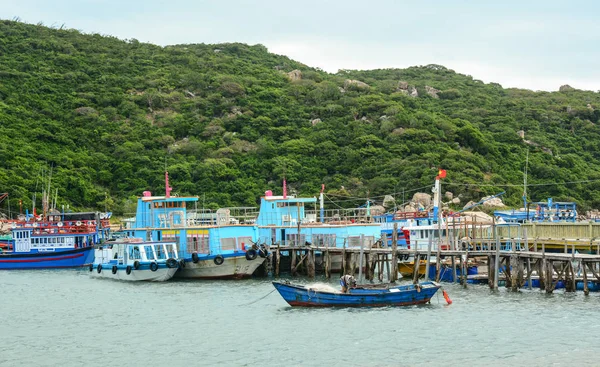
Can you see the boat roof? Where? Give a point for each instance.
(170, 199)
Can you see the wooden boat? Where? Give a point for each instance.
(380, 295)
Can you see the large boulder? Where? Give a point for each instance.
(389, 201)
(413, 92)
(565, 88)
(422, 199)
(477, 217)
(494, 202)
(357, 84)
(295, 75)
(432, 91)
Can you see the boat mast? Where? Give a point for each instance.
(525, 185)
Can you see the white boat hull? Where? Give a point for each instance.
(160, 275)
(232, 267)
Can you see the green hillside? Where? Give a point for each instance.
(228, 122)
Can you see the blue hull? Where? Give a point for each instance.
(404, 295)
(50, 260)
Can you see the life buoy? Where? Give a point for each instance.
(59, 224)
(128, 269)
(91, 267)
(35, 225)
(195, 257)
(136, 265)
(99, 268)
(219, 259)
(153, 266)
(172, 263)
(78, 223)
(251, 254)
(114, 269)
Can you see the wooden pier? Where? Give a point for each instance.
(516, 266)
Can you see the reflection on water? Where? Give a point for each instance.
(64, 318)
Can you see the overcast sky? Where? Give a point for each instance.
(532, 44)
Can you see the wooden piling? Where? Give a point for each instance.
(416, 269)
(293, 265)
(277, 260)
(586, 289)
(394, 274)
(327, 264)
(453, 259)
(360, 258)
(310, 263)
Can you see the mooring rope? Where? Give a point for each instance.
(246, 304)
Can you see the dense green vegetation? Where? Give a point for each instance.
(226, 120)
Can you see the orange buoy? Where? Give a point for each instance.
(446, 297)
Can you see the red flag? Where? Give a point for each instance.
(442, 173)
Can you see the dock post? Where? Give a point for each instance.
(394, 274)
(542, 270)
(586, 289)
(310, 263)
(277, 260)
(549, 276)
(343, 270)
(293, 269)
(360, 259)
(327, 264)
(416, 269)
(461, 265)
(453, 259)
(497, 257)
(428, 262)
(491, 271)
(529, 271)
(520, 276)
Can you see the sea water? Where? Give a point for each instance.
(65, 318)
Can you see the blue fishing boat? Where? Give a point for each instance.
(360, 296)
(43, 246)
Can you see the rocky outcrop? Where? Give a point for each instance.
(521, 134)
(412, 91)
(448, 195)
(432, 91)
(565, 88)
(315, 121)
(402, 86)
(357, 84)
(422, 198)
(86, 111)
(295, 75)
(389, 201)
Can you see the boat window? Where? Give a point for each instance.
(149, 252)
(134, 253)
(160, 252)
(171, 251)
